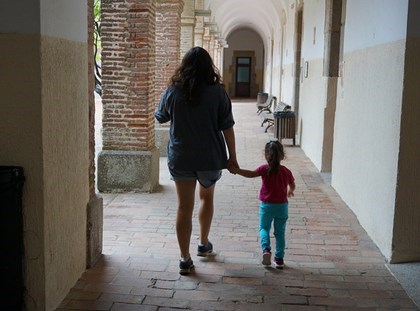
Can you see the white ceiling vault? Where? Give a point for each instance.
(262, 16)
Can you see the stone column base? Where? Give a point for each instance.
(95, 226)
(128, 171)
(162, 139)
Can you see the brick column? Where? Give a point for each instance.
(168, 33)
(187, 27)
(129, 160)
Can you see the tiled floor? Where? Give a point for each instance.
(331, 263)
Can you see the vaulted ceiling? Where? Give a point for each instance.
(259, 15)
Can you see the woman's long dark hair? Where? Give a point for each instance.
(197, 68)
(274, 153)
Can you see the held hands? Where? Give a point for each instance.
(233, 166)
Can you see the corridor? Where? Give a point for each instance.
(331, 263)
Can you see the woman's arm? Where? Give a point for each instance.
(161, 113)
(230, 142)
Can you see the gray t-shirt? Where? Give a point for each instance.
(196, 141)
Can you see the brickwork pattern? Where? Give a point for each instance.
(168, 29)
(331, 263)
(187, 27)
(128, 71)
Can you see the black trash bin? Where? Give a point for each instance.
(285, 125)
(11, 238)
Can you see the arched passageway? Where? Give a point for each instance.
(373, 158)
(330, 260)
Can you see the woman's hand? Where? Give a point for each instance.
(233, 166)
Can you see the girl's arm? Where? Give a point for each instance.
(291, 192)
(245, 173)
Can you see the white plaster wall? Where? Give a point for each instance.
(288, 85)
(367, 124)
(288, 91)
(21, 145)
(277, 63)
(65, 139)
(374, 23)
(64, 19)
(244, 40)
(45, 99)
(311, 112)
(312, 98)
(313, 29)
(268, 65)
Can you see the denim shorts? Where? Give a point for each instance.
(205, 178)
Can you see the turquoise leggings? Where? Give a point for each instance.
(278, 215)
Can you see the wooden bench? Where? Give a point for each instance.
(262, 106)
(266, 112)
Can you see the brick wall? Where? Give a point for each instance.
(128, 71)
(168, 29)
(187, 27)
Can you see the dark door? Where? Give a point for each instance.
(243, 77)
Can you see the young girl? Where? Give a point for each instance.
(278, 183)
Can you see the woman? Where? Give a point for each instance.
(200, 113)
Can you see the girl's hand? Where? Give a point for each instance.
(290, 193)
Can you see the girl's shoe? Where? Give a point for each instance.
(186, 266)
(278, 262)
(266, 257)
(204, 250)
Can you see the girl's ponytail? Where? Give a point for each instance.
(274, 153)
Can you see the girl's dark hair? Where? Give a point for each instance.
(197, 68)
(274, 153)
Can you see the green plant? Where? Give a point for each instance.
(97, 45)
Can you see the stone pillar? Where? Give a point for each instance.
(206, 36)
(199, 24)
(199, 31)
(168, 33)
(187, 27)
(129, 161)
(44, 129)
(405, 242)
(217, 55)
(94, 230)
(211, 47)
(221, 59)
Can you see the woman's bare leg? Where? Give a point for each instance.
(205, 212)
(185, 192)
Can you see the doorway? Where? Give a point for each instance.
(243, 77)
